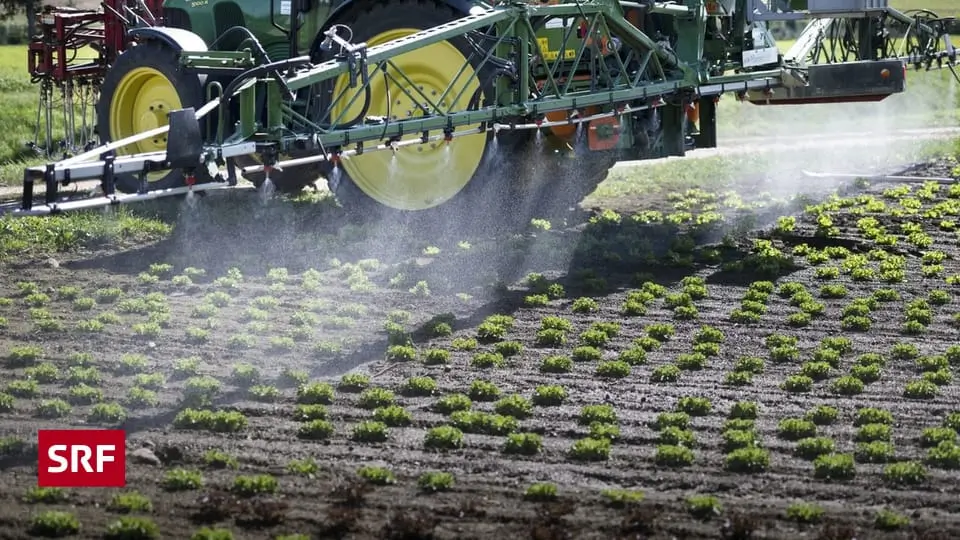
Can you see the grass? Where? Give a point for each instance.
(20, 109)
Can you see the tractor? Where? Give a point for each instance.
(413, 106)
(147, 81)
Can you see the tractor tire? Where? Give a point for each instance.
(551, 184)
(143, 84)
(424, 191)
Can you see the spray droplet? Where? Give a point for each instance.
(335, 177)
(447, 156)
(394, 165)
(267, 189)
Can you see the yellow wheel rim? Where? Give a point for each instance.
(141, 102)
(420, 176)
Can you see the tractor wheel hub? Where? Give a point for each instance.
(418, 176)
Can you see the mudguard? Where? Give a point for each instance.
(462, 6)
(176, 38)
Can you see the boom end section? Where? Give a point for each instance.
(865, 81)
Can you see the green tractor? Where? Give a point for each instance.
(148, 80)
(457, 108)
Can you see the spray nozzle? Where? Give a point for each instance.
(447, 135)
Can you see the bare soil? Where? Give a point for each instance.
(367, 275)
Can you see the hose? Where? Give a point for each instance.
(251, 73)
(263, 57)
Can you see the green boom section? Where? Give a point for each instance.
(599, 61)
(550, 64)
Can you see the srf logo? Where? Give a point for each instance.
(81, 458)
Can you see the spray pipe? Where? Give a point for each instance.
(336, 157)
(394, 142)
(449, 135)
(571, 119)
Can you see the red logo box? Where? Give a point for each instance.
(81, 458)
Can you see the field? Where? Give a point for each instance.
(693, 364)
(715, 347)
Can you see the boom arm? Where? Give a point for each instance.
(605, 62)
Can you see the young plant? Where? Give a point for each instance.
(435, 481)
(443, 438)
(541, 492)
(315, 430)
(834, 467)
(750, 459)
(393, 416)
(549, 395)
(370, 431)
(182, 480)
(703, 506)
(54, 524)
(523, 444)
(591, 449)
(129, 503)
(380, 476)
(673, 456)
(805, 513)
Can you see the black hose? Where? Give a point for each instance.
(264, 58)
(258, 71)
(367, 97)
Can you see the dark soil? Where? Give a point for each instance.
(364, 276)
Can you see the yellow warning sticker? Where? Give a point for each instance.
(544, 43)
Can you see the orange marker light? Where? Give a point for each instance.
(885, 73)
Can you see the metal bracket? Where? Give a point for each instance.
(26, 202)
(108, 183)
(50, 181)
(185, 145)
(231, 171)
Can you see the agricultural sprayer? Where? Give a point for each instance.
(400, 105)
